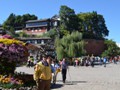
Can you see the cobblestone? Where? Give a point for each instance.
(87, 78)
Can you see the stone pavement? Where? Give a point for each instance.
(87, 78)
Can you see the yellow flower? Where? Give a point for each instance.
(20, 82)
(11, 41)
(7, 80)
(1, 76)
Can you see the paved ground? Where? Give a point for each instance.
(87, 78)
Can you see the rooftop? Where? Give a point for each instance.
(41, 20)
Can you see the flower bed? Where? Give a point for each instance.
(13, 52)
(10, 82)
(18, 81)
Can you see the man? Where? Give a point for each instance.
(64, 67)
(42, 74)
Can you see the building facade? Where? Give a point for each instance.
(39, 27)
(43, 45)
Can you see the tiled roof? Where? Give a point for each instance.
(30, 21)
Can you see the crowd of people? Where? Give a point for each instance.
(94, 60)
(47, 69)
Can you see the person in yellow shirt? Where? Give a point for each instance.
(42, 74)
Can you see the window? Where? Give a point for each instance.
(36, 24)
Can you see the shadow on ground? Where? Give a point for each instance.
(56, 86)
(67, 83)
(72, 82)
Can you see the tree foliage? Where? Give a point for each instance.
(51, 33)
(22, 34)
(14, 22)
(69, 20)
(70, 45)
(92, 25)
(111, 49)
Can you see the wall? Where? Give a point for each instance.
(95, 47)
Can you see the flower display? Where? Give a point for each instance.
(5, 80)
(12, 51)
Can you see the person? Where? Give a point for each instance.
(28, 63)
(42, 74)
(104, 61)
(56, 67)
(64, 67)
(92, 62)
(115, 59)
(76, 62)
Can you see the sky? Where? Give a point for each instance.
(47, 8)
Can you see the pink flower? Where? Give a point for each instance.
(7, 36)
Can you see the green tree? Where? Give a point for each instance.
(23, 34)
(51, 33)
(111, 49)
(92, 25)
(68, 19)
(63, 32)
(10, 23)
(18, 21)
(27, 17)
(70, 45)
(14, 22)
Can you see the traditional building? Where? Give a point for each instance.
(42, 46)
(38, 27)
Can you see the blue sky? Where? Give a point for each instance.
(47, 8)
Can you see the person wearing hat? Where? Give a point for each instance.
(42, 74)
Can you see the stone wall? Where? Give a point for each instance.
(95, 47)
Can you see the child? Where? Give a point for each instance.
(56, 67)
